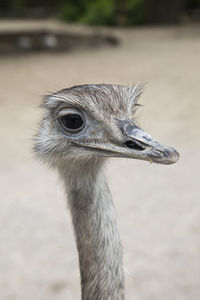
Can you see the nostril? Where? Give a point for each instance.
(134, 145)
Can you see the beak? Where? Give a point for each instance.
(141, 145)
(133, 143)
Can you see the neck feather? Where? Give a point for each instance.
(97, 237)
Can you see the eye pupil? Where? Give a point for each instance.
(72, 121)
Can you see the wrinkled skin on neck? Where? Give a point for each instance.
(97, 236)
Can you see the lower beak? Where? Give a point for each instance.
(141, 145)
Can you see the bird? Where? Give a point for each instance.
(82, 127)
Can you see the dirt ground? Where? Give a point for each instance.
(158, 206)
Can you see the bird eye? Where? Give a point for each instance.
(72, 122)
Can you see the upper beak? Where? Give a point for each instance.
(141, 145)
(135, 143)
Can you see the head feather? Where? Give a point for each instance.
(101, 99)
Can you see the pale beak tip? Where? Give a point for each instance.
(175, 156)
(166, 156)
(172, 155)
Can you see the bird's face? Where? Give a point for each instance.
(81, 126)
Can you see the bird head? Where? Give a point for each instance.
(92, 121)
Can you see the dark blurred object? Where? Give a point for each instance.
(105, 12)
(172, 12)
(193, 10)
(164, 11)
(27, 36)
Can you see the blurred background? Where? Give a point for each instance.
(102, 12)
(48, 45)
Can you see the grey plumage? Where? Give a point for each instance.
(105, 116)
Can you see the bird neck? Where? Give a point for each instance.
(97, 236)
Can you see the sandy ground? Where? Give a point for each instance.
(158, 206)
